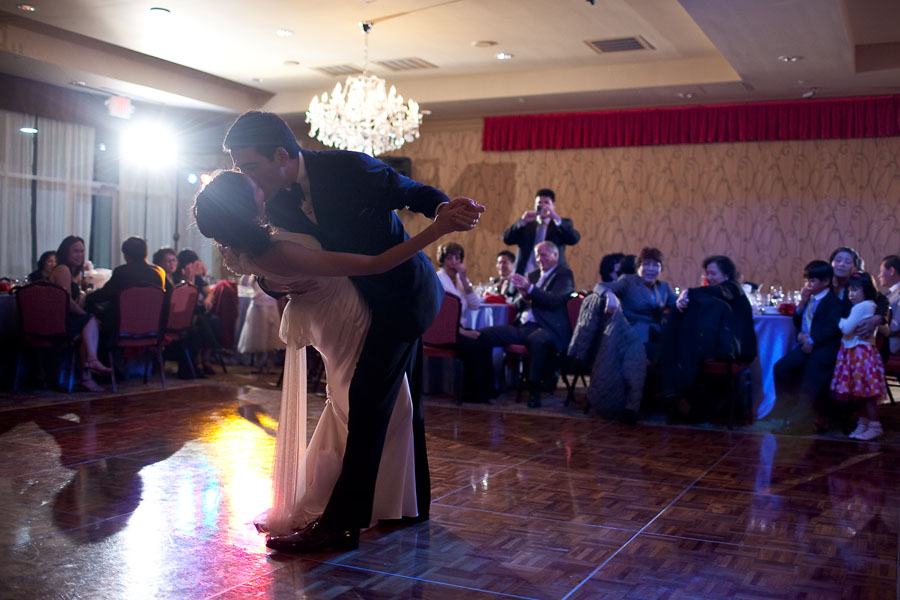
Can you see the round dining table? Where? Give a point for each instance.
(775, 335)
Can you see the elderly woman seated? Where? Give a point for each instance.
(477, 383)
(643, 298)
(714, 321)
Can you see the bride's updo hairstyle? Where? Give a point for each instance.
(225, 210)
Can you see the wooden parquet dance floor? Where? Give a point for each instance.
(153, 496)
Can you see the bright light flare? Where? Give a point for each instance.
(149, 144)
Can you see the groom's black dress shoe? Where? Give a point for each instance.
(315, 537)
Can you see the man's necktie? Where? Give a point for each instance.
(808, 314)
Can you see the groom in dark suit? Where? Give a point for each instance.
(347, 201)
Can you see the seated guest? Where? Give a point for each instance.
(135, 271)
(452, 274)
(46, 264)
(502, 286)
(889, 278)
(714, 321)
(804, 373)
(205, 333)
(609, 267)
(167, 258)
(476, 358)
(67, 275)
(845, 262)
(543, 322)
(644, 299)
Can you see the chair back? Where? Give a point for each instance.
(573, 307)
(442, 331)
(42, 312)
(140, 315)
(182, 302)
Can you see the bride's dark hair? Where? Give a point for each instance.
(225, 210)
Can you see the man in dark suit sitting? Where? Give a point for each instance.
(538, 225)
(803, 374)
(135, 271)
(543, 322)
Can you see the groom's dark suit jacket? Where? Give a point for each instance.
(354, 197)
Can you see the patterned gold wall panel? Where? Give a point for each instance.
(771, 206)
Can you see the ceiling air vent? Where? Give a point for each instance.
(406, 64)
(339, 70)
(620, 45)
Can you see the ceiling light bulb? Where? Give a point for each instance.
(27, 7)
(30, 130)
(504, 56)
(789, 59)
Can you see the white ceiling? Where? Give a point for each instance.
(211, 53)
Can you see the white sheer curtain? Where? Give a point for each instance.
(145, 206)
(65, 175)
(16, 152)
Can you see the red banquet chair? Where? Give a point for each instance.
(440, 340)
(140, 327)
(43, 307)
(182, 301)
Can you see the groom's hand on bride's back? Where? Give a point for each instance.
(295, 288)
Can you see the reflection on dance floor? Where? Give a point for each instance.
(154, 496)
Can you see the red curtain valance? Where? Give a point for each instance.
(877, 116)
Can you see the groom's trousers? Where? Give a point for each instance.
(384, 359)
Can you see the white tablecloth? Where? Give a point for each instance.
(487, 315)
(775, 335)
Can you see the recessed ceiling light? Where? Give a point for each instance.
(504, 56)
(789, 59)
(484, 43)
(686, 95)
(159, 10)
(29, 130)
(78, 83)
(291, 63)
(26, 7)
(284, 32)
(256, 79)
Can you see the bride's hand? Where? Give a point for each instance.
(460, 214)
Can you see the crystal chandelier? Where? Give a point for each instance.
(361, 116)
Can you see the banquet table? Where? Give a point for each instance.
(488, 315)
(9, 334)
(775, 335)
(9, 316)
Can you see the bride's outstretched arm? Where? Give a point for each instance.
(286, 258)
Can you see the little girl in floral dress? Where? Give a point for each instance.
(859, 373)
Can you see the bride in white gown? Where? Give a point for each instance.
(331, 316)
